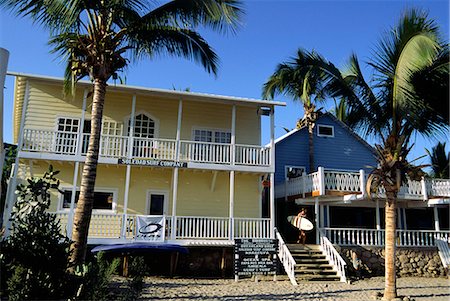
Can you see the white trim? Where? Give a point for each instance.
(284, 136)
(114, 191)
(190, 96)
(325, 126)
(165, 193)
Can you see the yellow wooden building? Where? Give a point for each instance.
(191, 162)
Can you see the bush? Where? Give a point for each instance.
(34, 257)
(96, 278)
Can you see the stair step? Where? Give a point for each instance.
(315, 272)
(316, 261)
(306, 252)
(311, 256)
(318, 277)
(303, 247)
(314, 265)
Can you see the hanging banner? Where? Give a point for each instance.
(150, 228)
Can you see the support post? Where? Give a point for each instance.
(424, 189)
(321, 180)
(272, 174)
(131, 129)
(233, 135)
(322, 215)
(317, 218)
(405, 224)
(10, 194)
(362, 182)
(436, 219)
(328, 216)
(123, 233)
(231, 230)
(377, 214)
(173, 232)
(72, 199)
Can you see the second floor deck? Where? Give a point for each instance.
(71, 146)
(347, 185)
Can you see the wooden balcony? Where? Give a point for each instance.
(325, 183)
(40, 144)
(184, 230)
(374, 237)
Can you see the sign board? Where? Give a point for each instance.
(147, 162)
(255, 257)
(150, 228)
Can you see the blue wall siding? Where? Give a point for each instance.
(344, 151)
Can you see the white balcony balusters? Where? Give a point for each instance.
(111, 146)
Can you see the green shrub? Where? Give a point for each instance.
(34, 257)
(96, 278)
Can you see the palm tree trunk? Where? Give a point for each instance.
(390, 289)
(83, 211)
(311, 147)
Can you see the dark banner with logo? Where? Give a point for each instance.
(255, 257)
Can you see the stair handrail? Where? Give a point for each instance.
(333, 256)
(444, 252)
(286, 258)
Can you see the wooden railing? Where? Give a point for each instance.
(111, 146)
(186, 227)
(333, 256)
(251, 227)
(323, 181)
(373, 237)
(286, 258)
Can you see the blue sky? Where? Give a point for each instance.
(272, 31)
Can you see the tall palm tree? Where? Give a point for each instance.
(341, 110)
(440, 161)
(300, 79)
(98, 38)
(409, 61)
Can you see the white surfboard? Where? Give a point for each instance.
(301, 223)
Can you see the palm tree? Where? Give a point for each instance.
(341, 110)
(94, 37)
(409, 61)
(439, 161)
(300, 79)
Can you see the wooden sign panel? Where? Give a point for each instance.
(255, 257)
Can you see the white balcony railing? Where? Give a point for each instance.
(110, 226)
(373, 237)
(345, 182)
(68, 143)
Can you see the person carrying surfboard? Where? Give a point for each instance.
(302, 234)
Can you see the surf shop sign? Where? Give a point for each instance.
(255, 257)
(146, 162)
(150, 228)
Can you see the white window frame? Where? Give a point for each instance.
(114, 191)
(292, 166)
(325, 126)
(213, 133)
(160, 192)
(126, 126)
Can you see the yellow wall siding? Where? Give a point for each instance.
(46, 103)
(195, 197)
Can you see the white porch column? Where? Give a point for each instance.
(128, 172)
(125, 201)
(233, 135)
(272, 174)
(72, 199)
(362, 182)
(10, 194)
(322, 215)
(405, 224)
(321, 171)
(231, 205)
(399, 220)
(377, 215)
(175, 171)
(81, 128)
(328, 216)
(317, 218)
(436, 219)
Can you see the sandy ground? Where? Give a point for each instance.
(436, 289)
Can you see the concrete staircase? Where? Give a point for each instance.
(311, 264)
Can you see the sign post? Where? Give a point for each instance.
(254, 257)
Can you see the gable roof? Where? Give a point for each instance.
(343, 125)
